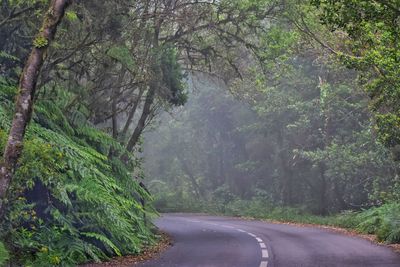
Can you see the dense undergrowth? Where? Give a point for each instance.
(69, 202)
(382, 221)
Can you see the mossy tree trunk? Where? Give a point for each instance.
(26, 93)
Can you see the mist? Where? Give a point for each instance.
(195, 133)
(305, 144)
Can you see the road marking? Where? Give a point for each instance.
(264, 253)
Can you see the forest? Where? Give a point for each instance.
(112, 112)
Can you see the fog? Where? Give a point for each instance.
(224, 151)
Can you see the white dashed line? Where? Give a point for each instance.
(193, 221)
(264, 253)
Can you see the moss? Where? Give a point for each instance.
(40, 41)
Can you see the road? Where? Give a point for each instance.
(209, 241)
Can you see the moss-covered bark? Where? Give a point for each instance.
(27, 86)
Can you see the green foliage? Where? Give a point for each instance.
(372, 28)
(303, 143)
(383, 221)
(4, 255)
(5, 55)
(104, 240)
(71, 15)
(40, 41)
(123, 56)
(69, 204)
(388, 125)
(173, 77)
(259, 207)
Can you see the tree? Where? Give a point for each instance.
(27, 88)
(309, 126)
(373, 49)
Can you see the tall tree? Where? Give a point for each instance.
(27, 88)
(373, 48)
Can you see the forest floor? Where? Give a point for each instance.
(148, 253)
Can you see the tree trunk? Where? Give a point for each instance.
(339, 194)
(285, 172)
(131, 115)
(153, 87)
(198, 191)
(27, 87)
(114, 118)
(116, 93)
(142, 121)
(322, 205)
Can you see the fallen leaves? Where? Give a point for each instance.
(129, 260)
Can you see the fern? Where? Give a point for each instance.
(383, 221)
(4, 255)
(87, 208)
(104, 240)
(5, 55)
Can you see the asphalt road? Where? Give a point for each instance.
(209, 241)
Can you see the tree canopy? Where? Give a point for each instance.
(113, 109)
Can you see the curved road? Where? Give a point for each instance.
(208, 241)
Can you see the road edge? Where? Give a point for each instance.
(340, 230)
(148, 253)
(345, 231)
